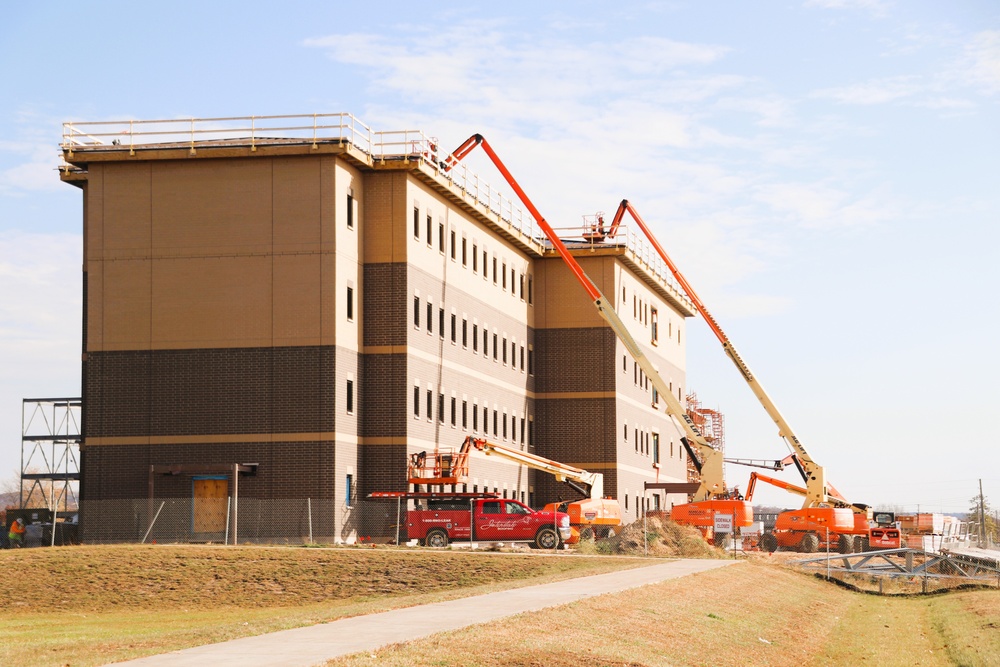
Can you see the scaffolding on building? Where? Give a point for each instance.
(50, 452)
(711, 423)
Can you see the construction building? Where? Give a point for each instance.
(287, 308)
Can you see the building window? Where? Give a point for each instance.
(475, 337)
(520, 286)
(465, 414)
(454, 410)
(531, 430)
(441, 408)
(430, 317)
(485, 264)
(465, 332)
(531, 299)
(486, 420)
(486, 341)
(504, 279)
(494, 270)
(475, 258)
(430, 405)
(513, 354)
(505, 426)
(531, 361)
(624, 299)
(350, 210)
(504, 350)
(475, 417)
(494, 346)
(656, 397)
(522, 430)
(496, 423)
(430, 230)
(416, 400)
(654, 329)
(626, 432)
(350, 397)
(656, 448)
(441, 322)
(441, 236)
(522, 357)
(513, 427)
(453, 244)
(416, 222)
(465, 251)
(348, 489)
(350, 304)
(416, 312)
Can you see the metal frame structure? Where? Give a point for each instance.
(904, 563)
(50, 450)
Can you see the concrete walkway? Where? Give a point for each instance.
(314, 645)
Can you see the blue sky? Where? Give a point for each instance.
(824, 172)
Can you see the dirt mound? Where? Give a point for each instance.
(659, 537)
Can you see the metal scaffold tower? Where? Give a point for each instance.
(711, 423)
(50, 452)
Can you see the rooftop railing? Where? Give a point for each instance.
(314, 129)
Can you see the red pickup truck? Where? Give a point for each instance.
(436, 521)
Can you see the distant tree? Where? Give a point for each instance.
(887, 507)
(980, 516)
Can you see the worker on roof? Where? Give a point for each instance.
(16, 534)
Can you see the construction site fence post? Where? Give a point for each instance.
(229, 508)
(399, 506)
(309, 511)
(152, 522)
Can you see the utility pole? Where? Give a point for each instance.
(982, 516)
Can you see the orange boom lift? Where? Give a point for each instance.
(711, 496)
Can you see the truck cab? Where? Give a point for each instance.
(437, 521)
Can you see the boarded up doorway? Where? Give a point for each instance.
(210, 494)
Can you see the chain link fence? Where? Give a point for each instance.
(223, 521)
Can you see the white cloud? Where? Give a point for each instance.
(878, 91)
(983, 54)
(874, 7)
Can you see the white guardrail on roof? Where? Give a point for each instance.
(253, 131)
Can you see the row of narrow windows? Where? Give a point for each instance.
(495, 422)
(641, 380)
(508, 278)
(504, 350)
(649, 316)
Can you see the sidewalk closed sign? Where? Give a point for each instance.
(723, 523)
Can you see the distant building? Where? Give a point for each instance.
(297, 314)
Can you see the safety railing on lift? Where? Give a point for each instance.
(642, 253)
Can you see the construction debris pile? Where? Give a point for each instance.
(659, 537)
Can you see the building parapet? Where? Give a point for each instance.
(92, 141)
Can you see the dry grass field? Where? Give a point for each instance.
(83, 606)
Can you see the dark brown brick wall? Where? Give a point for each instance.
(386, 304)
(219, 391)
(286, 469)
(384, 390)
(575, 360)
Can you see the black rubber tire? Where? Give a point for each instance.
(720, 539)
(845, 544)
(587, 534)
(865, 545)
(437, 539)
(546, 538)
(809, 543)
(769, 542)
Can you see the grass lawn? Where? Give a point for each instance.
(750, 614)
(93, 605)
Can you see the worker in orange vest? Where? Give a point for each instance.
(16, 534)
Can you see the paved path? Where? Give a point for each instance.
(314, 645)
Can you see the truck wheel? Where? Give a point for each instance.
(437, 539)
(809, 543)
(720, 539)
(587, 534)
(769, 542)
(609, 533)
(864, 545)
(546, 538)
(845, 544)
